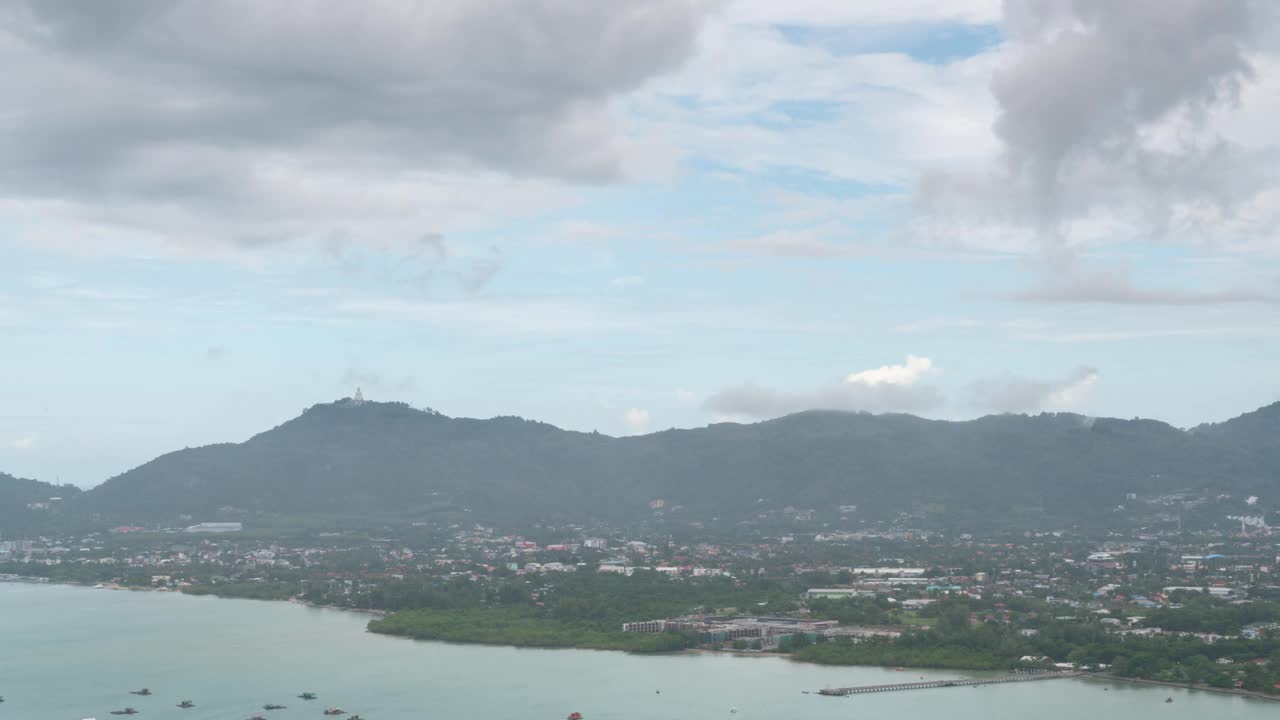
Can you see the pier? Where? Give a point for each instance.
(1012, 678)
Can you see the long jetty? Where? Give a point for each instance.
(1012, 678)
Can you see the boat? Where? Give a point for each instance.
(335, 711)
(1168, 700)
(308, 696)
(144, 692)
(272, 707)
(126, 711)
(257, 717)
(575, 716)
(186, 704)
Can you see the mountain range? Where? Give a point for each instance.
(391, 462)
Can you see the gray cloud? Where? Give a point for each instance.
(1011, 393)
(1093, 73)
(1077, 285)
(146, 109)
(1106, 134)
(754, 401)
(215, 353)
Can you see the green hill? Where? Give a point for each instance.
(390, 461)
(28, 506)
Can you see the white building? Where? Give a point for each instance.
(216, 527)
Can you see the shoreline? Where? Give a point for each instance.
(1183, 686)
(1248, 694)
(178, 591)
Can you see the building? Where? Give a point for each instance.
(836, 593)
(889, 572)
(648, 626)
(216, 527)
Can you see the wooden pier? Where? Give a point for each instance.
(1011, 678)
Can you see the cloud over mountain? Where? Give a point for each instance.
(889, 388)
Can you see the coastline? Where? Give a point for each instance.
(698, 651)
(179, 591)
(1183, 686)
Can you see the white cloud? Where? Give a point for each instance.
(1074, 392)
(797, 243)
(1120, 122)
(1011, 393)
(890, 388)
(753, 100)
(908, 373)
(637, 420)
(235, 123)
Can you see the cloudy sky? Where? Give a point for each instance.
(628, 216)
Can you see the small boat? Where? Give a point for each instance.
(272, 707)
(308, 696)
(575, 716)
(1168, 700)
(186, 704)
(144, 692)
(126, 711)
(257, 717)
(335, 711)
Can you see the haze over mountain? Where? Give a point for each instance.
(388, 461)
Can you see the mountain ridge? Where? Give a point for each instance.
(388, 460)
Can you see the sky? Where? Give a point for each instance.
(628, 216)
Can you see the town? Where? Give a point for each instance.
(1199, 607)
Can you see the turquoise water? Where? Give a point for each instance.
(69, 653)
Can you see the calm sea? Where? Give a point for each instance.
(69, 653)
